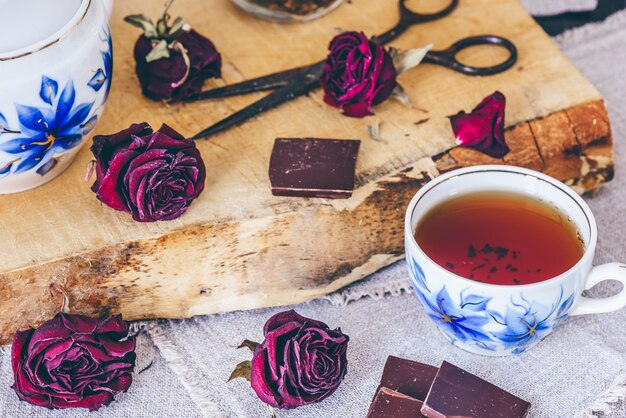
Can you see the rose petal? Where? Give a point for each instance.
(20, 342)
(483, 128)
(104, 145)
(283, 318)
(80, 324)
(115, 326)
(93, 402)
(258, 379)
(109, 192)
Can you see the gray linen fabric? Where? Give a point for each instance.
(555, 7)
(575, 371)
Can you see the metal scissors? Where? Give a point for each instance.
(290, 84)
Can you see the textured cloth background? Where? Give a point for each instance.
(579, 368)
(556, 7)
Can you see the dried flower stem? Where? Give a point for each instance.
(177, 46)
(91, 167)
(168, 5)
(65, 305)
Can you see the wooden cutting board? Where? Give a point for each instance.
(239, 247)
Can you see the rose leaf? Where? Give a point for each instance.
(243, 369)
(250, 345)
(411, 58)
(143, 22)
(373, 131)
(400, 95)
(160, 50)
(177, 29)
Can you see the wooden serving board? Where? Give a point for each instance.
(239, 247)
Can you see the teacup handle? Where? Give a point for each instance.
(610, 271)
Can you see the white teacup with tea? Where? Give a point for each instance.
(500, 256)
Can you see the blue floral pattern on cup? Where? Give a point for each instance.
(471, 320)
(56, 125)
(102, 77)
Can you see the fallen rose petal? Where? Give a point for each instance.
(483, 128)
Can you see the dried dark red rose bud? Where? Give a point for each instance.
(152, 175)
(301, 361)
(73, 361)
(172, 60)
(358, 74)
(483, 128)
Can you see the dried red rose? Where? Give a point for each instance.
(483, 128)
(73, 361)
(358, 74)
(300, 362)
(152, 175)
(172, 60)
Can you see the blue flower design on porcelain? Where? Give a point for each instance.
(471, 321)
(5, 168)
(527, 322)
(418, 274)
(456, 321)
(102, 77)
(58, 125)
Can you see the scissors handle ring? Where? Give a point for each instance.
(447, 57)
(409, 18)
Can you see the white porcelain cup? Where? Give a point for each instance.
(497, 320)
(55, 73)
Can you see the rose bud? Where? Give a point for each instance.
(300, 362)
(483, 128)
(73, 361)
(172, 60)
(152, 175)
(358, 74)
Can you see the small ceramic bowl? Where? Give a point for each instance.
(284, 17)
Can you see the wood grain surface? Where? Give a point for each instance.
(239, 247)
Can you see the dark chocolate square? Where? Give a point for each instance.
(391, 404)
(457, 393)
(312, 167)
(408, 377)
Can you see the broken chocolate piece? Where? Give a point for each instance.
(457, 393)
(408, 377)
(311, 167)
(391, 404)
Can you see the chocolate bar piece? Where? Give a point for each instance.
(408, 377)
(311, 167)
(391, 404)
(457, 393)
